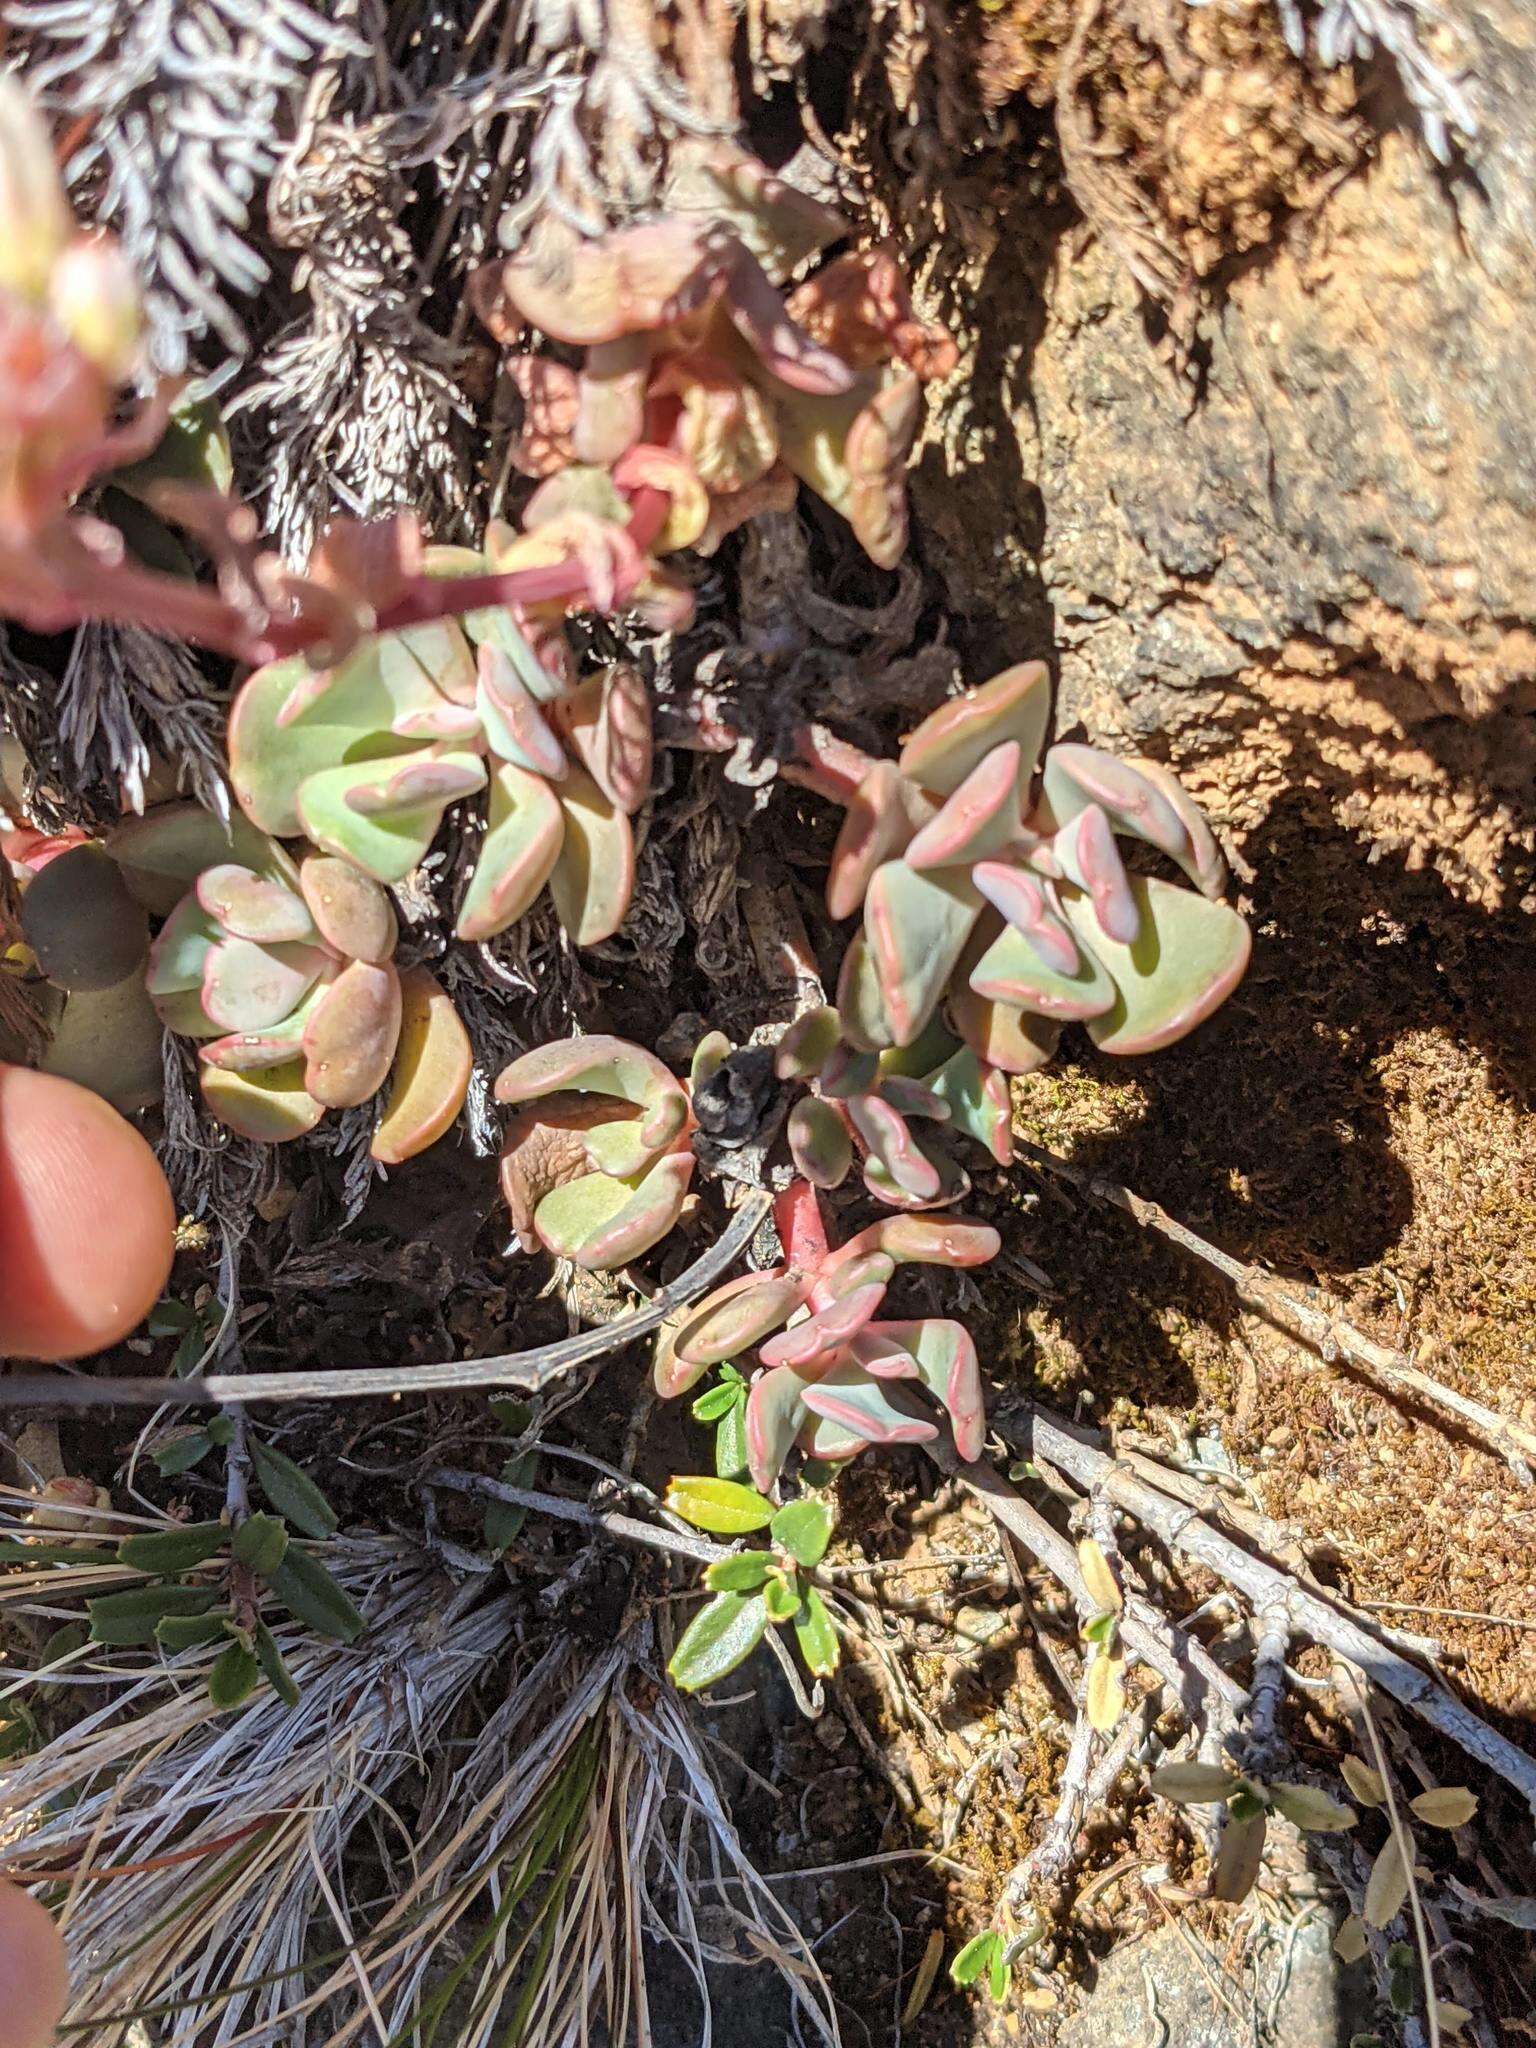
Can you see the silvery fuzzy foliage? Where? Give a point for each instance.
(184, 101)
(127, 693)
(1339, 31)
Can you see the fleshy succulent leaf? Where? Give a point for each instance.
(431, 1073)
(162, 854)
(776, 1413)
(979, 1101)
(819, 1142)
(248, 906)
(953, 740)
(604, 1065)
(522, 841)
(1016, 1041)
(851, 449)
(271, 1105)
(819, 1335)
(606, 722)
(979, 818)
(942, 1354)
(922, 1240)
(594, 873)
(1086, 853)
(512, 718)
(350, 1040)
(860, 1004)
(1025, 902)
(349, 909)
(247, 987)
(383, 815)
(599, 1222)
(1188, 957)
(806, 1043)
(916, 926)
(85, 929)
(1013, 970)
(727, 1323)
(1141, 798)
(890, 1140)
(881, 817)
(847, 1397)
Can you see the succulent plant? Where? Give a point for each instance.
(365, 757)
(1010, 905)
(84, 939)
(596, 1163)
(828, 1363)
(283, 969)
(865, 1103)
(695, 355)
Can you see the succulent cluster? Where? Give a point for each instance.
(1010, 905)
(895, 1109)
(364, 757)
(701, 375)
(828, 1364)
(282, 967)
(596, 1163)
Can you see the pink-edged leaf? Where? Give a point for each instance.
(860, 1004)
(383, 815)
(916, 926)
(882, 815)
(1188, 957)
(606, 722)
(1085, 852)
(978, 1101)
(628, 281)
(602, 1065)
(513, 721)
(271, 1105)
(1023, 900)
(550, 395)
(774, 1416)
(548, 1144)
(182, 1011)
(806, 1043)
(517, 855)
(819, 1142)
(247, 987)
(248, 906)
(350, 911)
(852, 451)
(1012, 970)
(923, 1240)
(243, 1052)
(953, 740)
(1142, 798)
(889, 1138)
(162, 854)
(723, 187)
(849, 1399)
(822, 1333)
(610, 406)
(414, 782)
(941, 1354)
(1017, 1041)
(431, 1073)
(594, 873)
(599, 1223)
(673, 1375)
(178, 958)
(350, 1040)
(954, 1183)
(729, 1323)
(909, 1096)
(834, 1282)
(979, 818)
(846, 1073)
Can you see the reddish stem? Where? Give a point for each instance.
(802, 1228)
(832, 767)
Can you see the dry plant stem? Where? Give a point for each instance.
(1357, 1699)
(1205, 1691)
(1264, 1586)
(1307, 1314)
(627, 1527)
(530, 1370)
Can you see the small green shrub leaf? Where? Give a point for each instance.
(719, 1505)
(816, 1636)
(260, 1543)
(175, 1632)
(717, 1639)
(234, 1677)
(975, 1957)
(743, 1573)
(1194, 1784)
(1310, 1810)
(312, 1596)
(132, 1617)
(292, 1492)
(183, 1452)
(504, 1518)
(781, 1597)
(731, 1441)
(172, 1550)
(273, 1669)
(804, 1529)
(716, 1401)
(999, 1975)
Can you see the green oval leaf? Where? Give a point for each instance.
(719, 1505)
(781, 1597)
(233, 1677)
(260, 1543)
(312, 1596)
(717, 1639)
(975, 1957)
(273, 1669)
(715, 1402)
(804, 1529)
(743, 1573)
(174, 1632)
(183, 1452)
(292, 1492)
(731, 1440)
(816, 1635)
(172, 1550)
(132, 1617)
(504, 1518)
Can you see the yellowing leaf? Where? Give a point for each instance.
(1452, 2018)
(1351, 1941)
(1365, 1783)
(1103, 1587)
(1387, 1887)
(1310, 1810)
(1106, 1692)
(1239, 1858)
(1445, 1806)
(1194, 1784)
